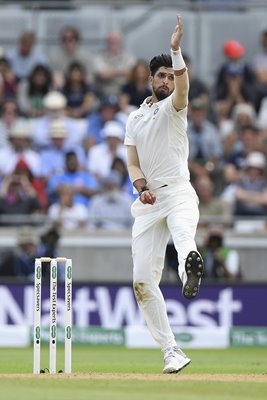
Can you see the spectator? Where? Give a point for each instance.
(25, 56)
(19, 148)
(260, 68)
(17, 197)
(235, 81)
(9, 118)
(210, 206)
(66, 214)
(55, 108)
(119, 165)
(112, 66)
(221, 262)
(248, 140)
(8, 84)
(20, 261)
(205, 152)
(31, 91)
(79, 94)
(23, 170)
(53, 158)
(83, 184)
(70, 51)
(243, 115)
(250, 192)
(137, 88)
(111, 209)
(108, 111)
(101, 156)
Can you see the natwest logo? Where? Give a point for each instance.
(111, 307)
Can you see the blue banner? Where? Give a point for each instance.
(114, 306)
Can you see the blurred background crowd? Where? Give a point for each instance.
(62, 126)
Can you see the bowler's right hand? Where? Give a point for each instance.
(147, 197)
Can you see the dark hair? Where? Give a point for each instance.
(70, 29)
(75, 65)
(163, 60)
(70, 153)
(33, 89)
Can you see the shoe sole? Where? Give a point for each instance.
(175, 371)
(194, 269)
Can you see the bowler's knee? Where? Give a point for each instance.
(141, 291)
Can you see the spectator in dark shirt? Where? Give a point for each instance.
(235, 81)
(137, 88)
(79, 94)
(17, 197)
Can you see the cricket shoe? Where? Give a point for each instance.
(194, 269)
(174, 361)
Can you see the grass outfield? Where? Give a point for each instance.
(118, 373)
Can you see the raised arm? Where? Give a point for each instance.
(181, 80)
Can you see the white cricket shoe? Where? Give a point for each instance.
(174, 361)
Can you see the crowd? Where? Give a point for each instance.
(62, 128)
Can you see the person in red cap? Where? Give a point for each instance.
(233, 49)
(234, 82)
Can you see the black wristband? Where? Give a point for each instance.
(143, 189)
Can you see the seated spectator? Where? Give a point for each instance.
(119, 165)
(221, 262)
(248, 195)
(210, 206)
(108, 111)
(8, 84)
(205, 148)
(112, 66)
(66, 214)
(9, 118)
(260, 68)
(53, 158)
(20, 261)
(25, 56)
(79, 94)
(137, 89)
(248, 140)
(243, 115)
(235, 81)
(19, 148)
(23, 170)
(111, 209)
(83, 184)
(17, 197)
(70, 50)
(101, 156)
(31, 91)
(55, 108)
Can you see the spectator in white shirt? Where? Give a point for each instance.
(19, 148)
(101, 156)
(111, 209)
(67, 214)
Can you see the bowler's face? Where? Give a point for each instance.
(163, 82)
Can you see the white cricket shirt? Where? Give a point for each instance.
(159, 133)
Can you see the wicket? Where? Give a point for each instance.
(53, 313)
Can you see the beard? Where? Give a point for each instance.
(162, 94)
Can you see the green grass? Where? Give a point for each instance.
(103, 360)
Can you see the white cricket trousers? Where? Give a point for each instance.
(174, 213)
